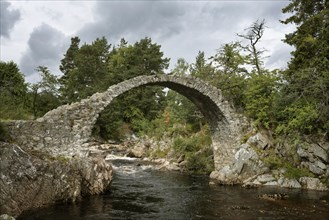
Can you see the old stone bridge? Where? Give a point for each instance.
(68, 127)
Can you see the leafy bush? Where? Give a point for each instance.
(274, 161)
(201, 162)
(196, 150)
(300, 117)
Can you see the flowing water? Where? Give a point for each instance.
(139, 191)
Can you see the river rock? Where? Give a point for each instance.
(289, 183)
(32, 179)
(246, 164)
(6, 217)
(272, 183)
(315, 169)
(173, 167)
(259, 141)
(312, 183)
(265, 178)
(319, 152)
(312, 151)
(274, 196)
(137, 151)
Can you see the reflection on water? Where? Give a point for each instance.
(140, 192)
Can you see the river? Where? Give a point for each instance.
(139, 191)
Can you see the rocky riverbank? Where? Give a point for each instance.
(32, 179)
(258, 162)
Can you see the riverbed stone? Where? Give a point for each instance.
(272, 183)
(265, 178)
(289, 183)
(312, 183)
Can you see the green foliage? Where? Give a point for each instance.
(158, 153)
(201, 68)
(274, 161)
(44, 94)
(259, 96)
(229, 74)
(13, 92)
(141, 105)
(299, 117)
(295, 173)
(201, 163)
(229, 59)
(307, 75)
(85, 69)
(62, 159)
(196, 150)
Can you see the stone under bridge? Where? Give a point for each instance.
(68, 127)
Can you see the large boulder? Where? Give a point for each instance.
(246, 165)
(315, 157)
(32, 179)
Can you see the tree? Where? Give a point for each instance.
(259, 95)
(230, 73)
(253, 34)
(181, 68)
(307, 76)
(67, 63)
(13, 90)
(44, 94)
(84, 69)
(230, 60)
(133, 109)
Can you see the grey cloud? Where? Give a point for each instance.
(280, 56)
(46, 47)
(134, 20)
(8, 19)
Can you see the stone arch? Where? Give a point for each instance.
(70, 126)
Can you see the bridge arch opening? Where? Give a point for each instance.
(187, 135)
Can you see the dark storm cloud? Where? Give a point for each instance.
(134, 20)
(8, 18)
(46, 47)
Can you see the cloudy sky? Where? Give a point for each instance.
(35, 33)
